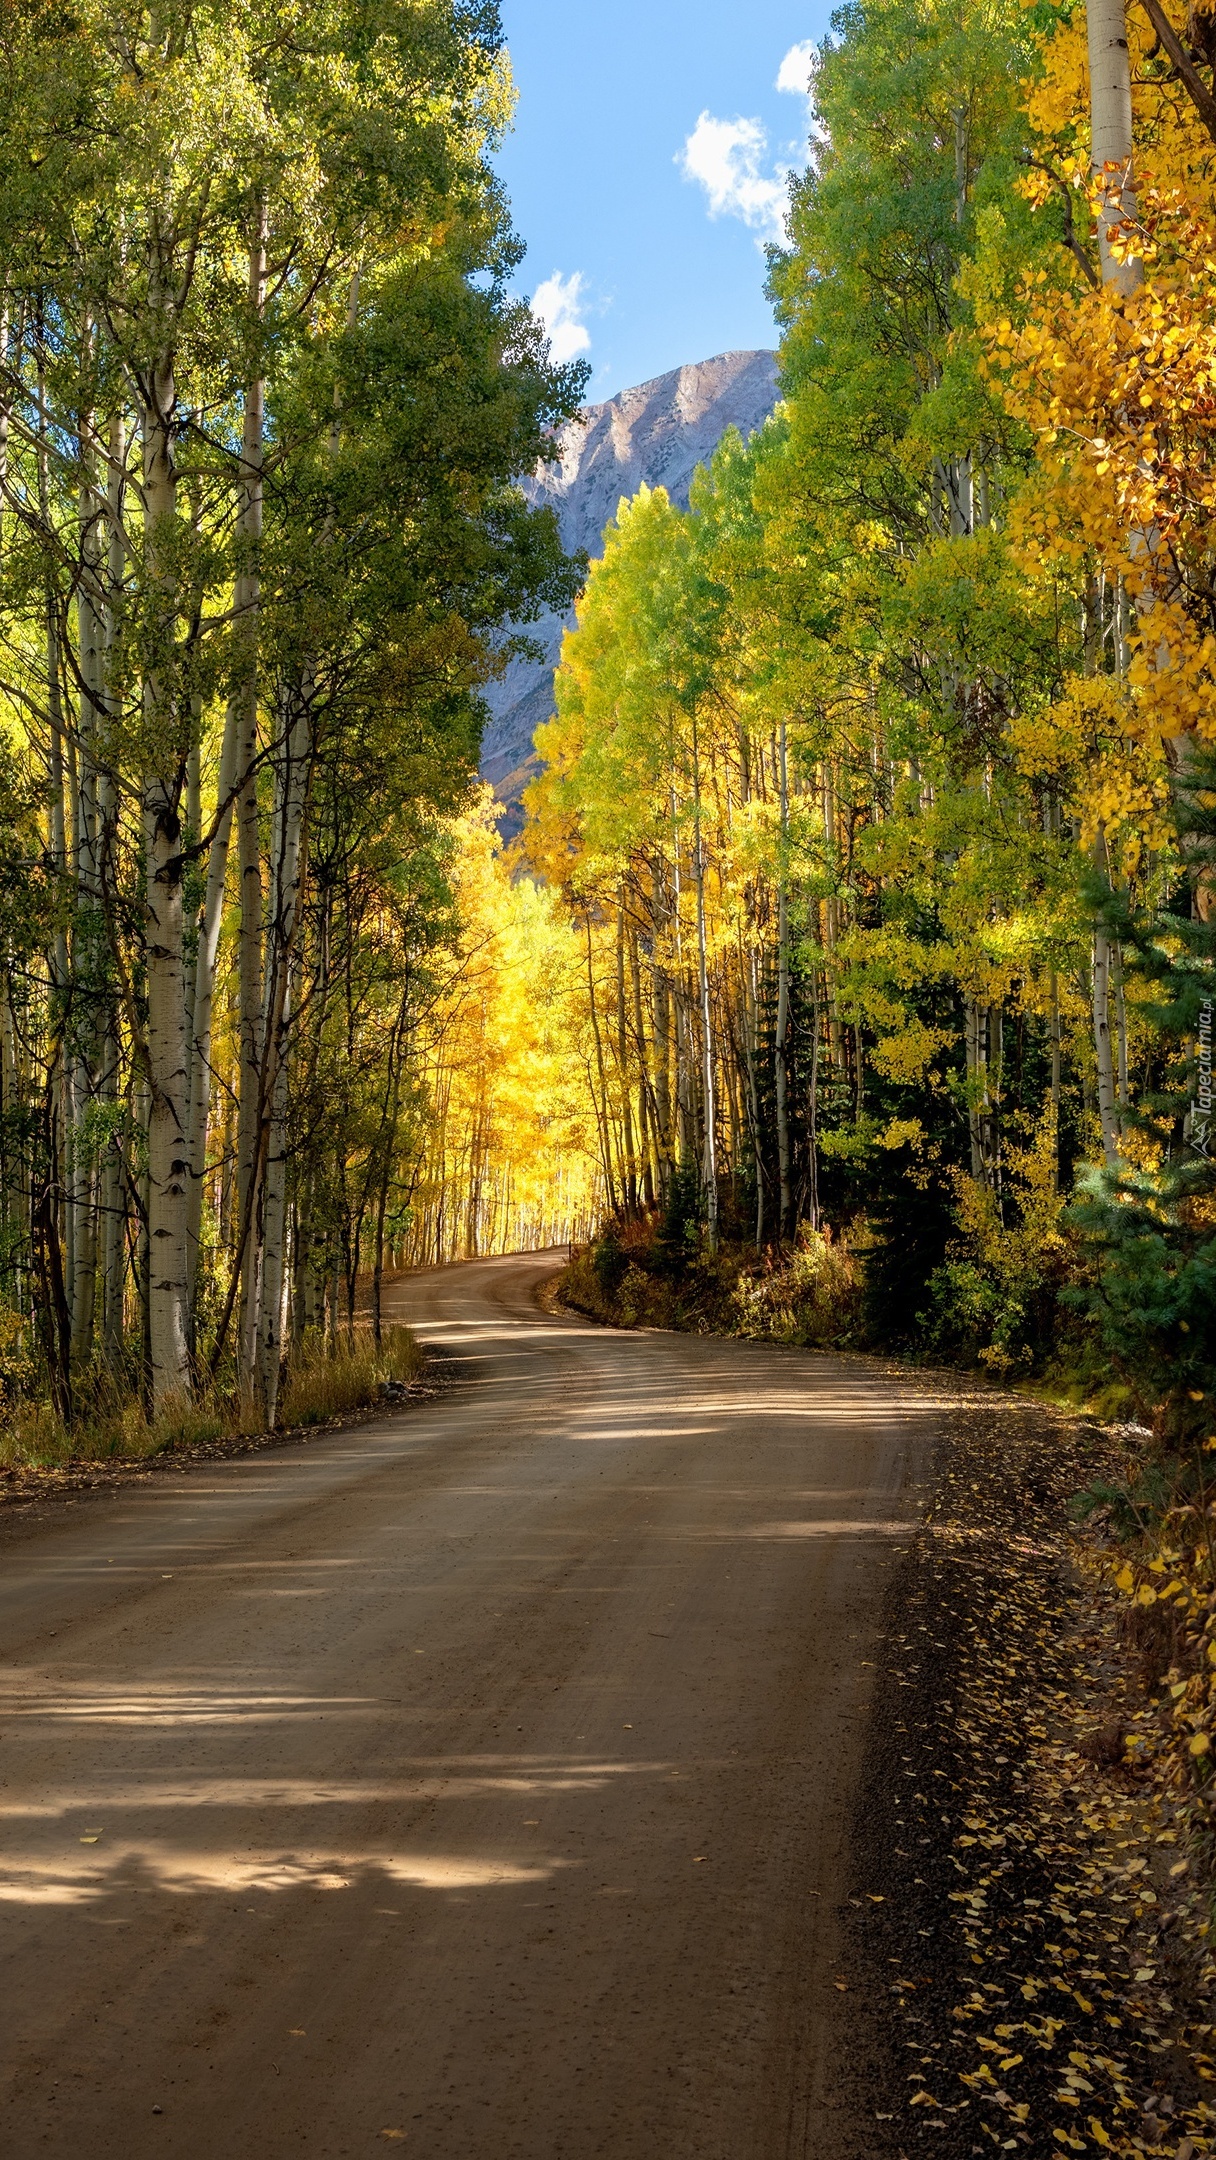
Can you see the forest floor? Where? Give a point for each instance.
(1027, 1897)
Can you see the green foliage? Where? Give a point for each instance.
(1148, 1229)
(610, 1261)
(911, 1225)
(1150, 1288)
(680, 1227)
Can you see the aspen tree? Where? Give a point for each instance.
(1110, 107)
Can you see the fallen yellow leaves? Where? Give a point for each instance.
(1054, 1866)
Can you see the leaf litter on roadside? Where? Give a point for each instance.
(1044, 1936)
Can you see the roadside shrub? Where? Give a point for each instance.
(326, 1381)
(993, 1300)
(813, 1297)
(609, 1261)
(680, 1227)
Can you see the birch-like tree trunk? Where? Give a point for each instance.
(86, 1046)
(601, 1092)
(750, 982)
(113, 1191)
(651, 1173)
(662, 1074)
(781, 1032)
(251, 1106)
(168, 1075)
(628, 1150)
(1056, 1078)
(292, 775)
(709, 1146)
(978, 1096)
(1124, 1077)
(210, 926)
(1103, 1049)
(1110, 112)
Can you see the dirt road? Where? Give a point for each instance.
(476, 1780)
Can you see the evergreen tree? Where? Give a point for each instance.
(1148, 1225)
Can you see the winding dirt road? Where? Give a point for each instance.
(476, 1780)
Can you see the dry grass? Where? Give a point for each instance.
(323, 1384)
(320, 1384)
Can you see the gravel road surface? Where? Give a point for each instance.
(478, 1780)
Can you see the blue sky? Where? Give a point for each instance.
(645, 171)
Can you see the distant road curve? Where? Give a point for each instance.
(476, 1780)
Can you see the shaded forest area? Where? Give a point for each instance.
(264, 399)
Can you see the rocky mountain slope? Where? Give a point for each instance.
(657, 433)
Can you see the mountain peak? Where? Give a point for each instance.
(654, 434)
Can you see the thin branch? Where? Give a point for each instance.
(1203, 99)
(1070, 235)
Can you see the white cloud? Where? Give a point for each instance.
(558, 303)
(797, 75)
(726, 158)
(797, 68)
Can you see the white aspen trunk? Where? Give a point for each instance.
(683, 1076)
(977, 1090)
(204, 994)
(781, 1032)
(63, 851)
(831, 912)
(13, 1197)
(113, 1188)
(292, 792)
(113, 1218)
(709, 1159)
(650, 1156)
(662, 1077)
(601, 1092)
(751, 1004)
(1103, 1055)
(245, 696)
(143, 1257)
(1055, 1081)
(168, 1076)
(268, 1336)
(1121, 1035)
(87, 956)
(629, 1154)
(813, 1120)
(1110, 112)
(995, 1036)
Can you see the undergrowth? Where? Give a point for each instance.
(631, 1277)
(322, 1381)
